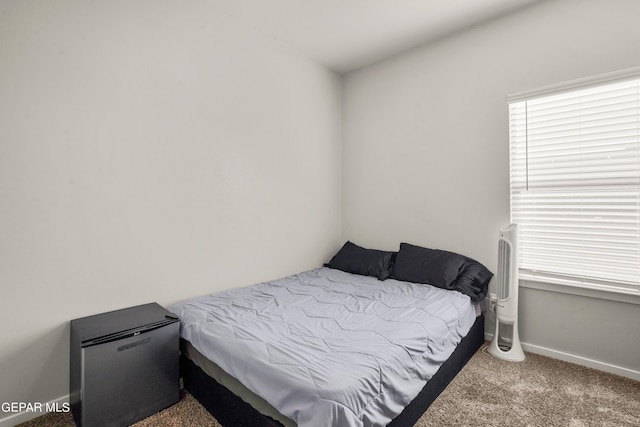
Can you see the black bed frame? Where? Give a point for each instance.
(231, 411)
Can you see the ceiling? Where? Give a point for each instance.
(348, 34)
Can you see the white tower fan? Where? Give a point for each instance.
(506, 342)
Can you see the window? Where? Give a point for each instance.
(575, 184)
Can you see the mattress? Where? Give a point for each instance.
(325, 347)
(233, 385)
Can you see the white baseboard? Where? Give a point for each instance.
(578, 360)
(20, 417)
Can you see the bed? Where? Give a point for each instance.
(370, 339)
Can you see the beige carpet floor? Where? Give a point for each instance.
(540, 392)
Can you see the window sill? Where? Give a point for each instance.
(550, 285)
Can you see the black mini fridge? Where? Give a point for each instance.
(124, 365)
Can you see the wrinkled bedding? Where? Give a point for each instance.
(330, 348)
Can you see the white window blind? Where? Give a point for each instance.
(575, 185)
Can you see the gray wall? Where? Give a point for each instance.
(149, 151)
(426, 153)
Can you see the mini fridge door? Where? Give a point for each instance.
(126, 380)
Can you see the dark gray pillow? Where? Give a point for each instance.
(474, 280)
(367, 262)
(447, 270)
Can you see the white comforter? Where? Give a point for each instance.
(328, 348)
